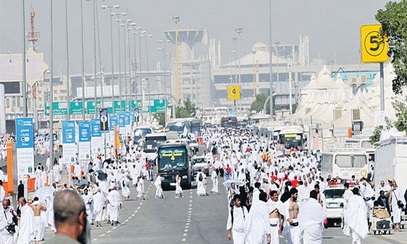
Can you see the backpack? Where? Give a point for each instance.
(231, 212)
(200, 178)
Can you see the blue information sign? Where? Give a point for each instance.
(127, 118)
(95, 128)
(121, 119)
(113, 122)
(84, 131)
(25, 133)
(68, 132)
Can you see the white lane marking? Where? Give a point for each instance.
(95, 239)
(185, 234)
(109, 231)
(184, 239)
(102, 235)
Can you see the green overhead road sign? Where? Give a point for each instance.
(58, 108)
(76, 107)
(90, 107)
(135, 104)
(119, 106)
(159, 106)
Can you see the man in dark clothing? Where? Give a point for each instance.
(20, 190)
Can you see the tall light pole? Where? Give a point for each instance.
(134, 87)
(238, 32)
(94, 55)
(130, 24)
(110, 7)
(68, 94)
(140, 36)
(254, 75)
(82, 64)
(119, 52)
(147, 71)
(176, 20)
(125, 39)
(271, 65)
(24, 68)
(51, 89)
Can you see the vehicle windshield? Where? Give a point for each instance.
(351, 161)
(198, 160)
(334, 193)
(291, 140)
(139, 133)
(150, 146)
(172, 158)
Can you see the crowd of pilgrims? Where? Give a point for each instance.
(269, 193)
(275, 194)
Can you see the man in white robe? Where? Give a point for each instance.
(215, 181)
(236, 221)
(56, 169)
(356, 217)
(396, 195)
(114, 201)
(159, 190)
(26, 226)
(39, 211)
(311, 220)
(275, 216)
(201, 184)
(98, 204)
(257, 230)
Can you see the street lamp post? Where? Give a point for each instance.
(110, 7)
(176, 20)
(82, 64)
(271, 64)
(51, 89)
(254, 75)
(125, 39)
(24, 68)
(119, 52)
(68, 94)
(147, 71)
(134, 86)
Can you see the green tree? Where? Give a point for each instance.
(187, 110)
(257, 105)
(394, 24)
(401, 115)
(160, 117)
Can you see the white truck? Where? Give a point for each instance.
(391, 161)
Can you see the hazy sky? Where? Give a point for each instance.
(332, 25)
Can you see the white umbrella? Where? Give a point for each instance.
(227, 183)
(44, 192)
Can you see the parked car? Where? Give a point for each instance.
(334, 200)
(198, 163)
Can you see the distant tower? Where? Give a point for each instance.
(33, 36)
(187, 40)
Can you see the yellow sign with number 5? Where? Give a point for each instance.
(234, 92)
(373, 46)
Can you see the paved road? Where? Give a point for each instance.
(190, 219)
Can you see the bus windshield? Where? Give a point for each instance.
(153, 141)
(172, 159)
(351, 161)
(291, 140)
(228, 122)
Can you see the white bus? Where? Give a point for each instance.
(291, 137)
(344, 164)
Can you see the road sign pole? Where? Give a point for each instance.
(381, 87)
